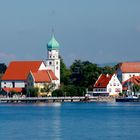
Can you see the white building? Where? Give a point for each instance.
(53, 60)
(126, 70)
(107, 84)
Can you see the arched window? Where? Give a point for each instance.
(50, 63)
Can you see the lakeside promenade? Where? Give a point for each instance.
(58, 99)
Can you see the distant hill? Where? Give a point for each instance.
(111, 64)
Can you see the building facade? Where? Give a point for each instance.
(107, 84)
(126, 70)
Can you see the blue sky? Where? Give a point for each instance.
(100, 31)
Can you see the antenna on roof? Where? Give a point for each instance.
(53, 13)
(52, 30)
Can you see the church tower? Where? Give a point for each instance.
(53, 60)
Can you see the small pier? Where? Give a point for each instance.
(48, 99)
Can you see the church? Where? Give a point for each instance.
(24, 74)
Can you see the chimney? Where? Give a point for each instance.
(107, 75)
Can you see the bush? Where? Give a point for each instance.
(72, 90)
(32, 92)
(58, 93)
(69, 90)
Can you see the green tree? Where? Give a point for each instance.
(84, 73)
(32, 92)
(3, 68)
(58, 93)
(64, 73)
(72, 90)
(108, 70)
(136, 88)
(48, 87)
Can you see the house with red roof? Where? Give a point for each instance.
(22, 74)
(107, 85)
(40, 79)
(128, 85)
(126, 70)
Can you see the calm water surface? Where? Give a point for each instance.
(70, 121)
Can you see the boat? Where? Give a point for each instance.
(130, 98)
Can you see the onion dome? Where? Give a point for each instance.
(53, 44)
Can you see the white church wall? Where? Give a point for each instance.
(42, 66)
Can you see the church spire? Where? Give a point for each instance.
(53, 43)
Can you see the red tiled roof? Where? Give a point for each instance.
(134, 79)
(12, 89)
(41, 76)
(19, 70)
(53, 77)
(44, 76)
(103, 81)
(130, 67)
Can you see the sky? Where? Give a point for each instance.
(100, 31)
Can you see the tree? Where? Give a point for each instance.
(136, 88)
(58, 93)
(3, 68)
(48, 87)
(108, 70)
(84, 73)
(32, 92)
(64, 73)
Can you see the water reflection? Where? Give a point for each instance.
(50, 123)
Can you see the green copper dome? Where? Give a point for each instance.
(53, 44)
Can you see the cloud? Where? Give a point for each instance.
(6, 57)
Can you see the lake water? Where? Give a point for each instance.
(70, 121)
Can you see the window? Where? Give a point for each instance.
(114, 84)
(57, 63)
(50, 63)
(4, 82)
(13, 84)
(109, 89)
(117, 90)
